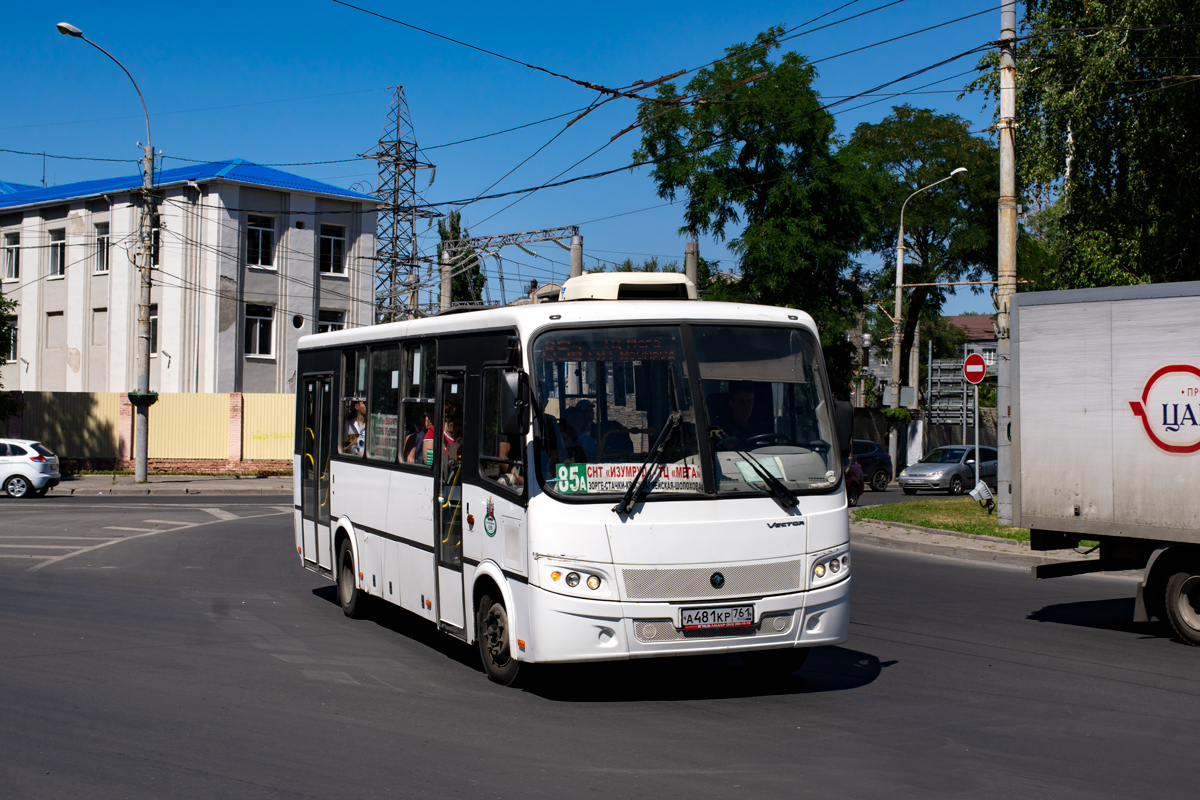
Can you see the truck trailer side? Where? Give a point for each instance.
(1105, 436)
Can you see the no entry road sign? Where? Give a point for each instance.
(974, 368)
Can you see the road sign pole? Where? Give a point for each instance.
(977, 434)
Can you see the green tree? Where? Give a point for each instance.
(754, 147)
(467, 285)
(949, 231)
(1108, 126)
(649, 265)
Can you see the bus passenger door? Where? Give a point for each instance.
(451, 394)
(314, 487)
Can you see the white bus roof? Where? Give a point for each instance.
(531, 317)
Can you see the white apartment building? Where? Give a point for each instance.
(246, 260)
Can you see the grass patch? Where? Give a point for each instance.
(960, 514)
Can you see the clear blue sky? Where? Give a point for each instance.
(309, 81)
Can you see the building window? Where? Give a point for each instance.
(258, 330)
(56, 330)
(333, 250)
(12, 256)
(260, 241)
(328, 320)
(58, 252)
(154, 329)
(9, 348)
(989, 356)
(102, 247)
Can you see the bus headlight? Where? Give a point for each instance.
(593, 582)
(572, 579)
(830, 568)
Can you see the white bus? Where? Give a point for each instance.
(583, 480)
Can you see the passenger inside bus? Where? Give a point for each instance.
(356, 427)
(417, 433)
(577, 432)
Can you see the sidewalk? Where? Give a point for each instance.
(969, 547)
(83, 485)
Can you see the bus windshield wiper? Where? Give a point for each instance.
(772, 484)
(639, 479)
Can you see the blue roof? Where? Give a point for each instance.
(8, 187)
(236, 170)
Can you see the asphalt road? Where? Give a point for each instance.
(175, 648)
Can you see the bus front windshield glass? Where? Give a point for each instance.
(605, 395)
(767, 406)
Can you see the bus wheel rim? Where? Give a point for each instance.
(1184, 602)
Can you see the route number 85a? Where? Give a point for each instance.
(572, 478)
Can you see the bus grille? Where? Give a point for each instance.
(664, 630)
(741, 580)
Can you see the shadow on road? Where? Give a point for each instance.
(829, 669)
(1115, 614)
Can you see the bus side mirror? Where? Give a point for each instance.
(514, 404)
(843, 420)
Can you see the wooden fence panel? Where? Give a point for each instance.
(268, 421)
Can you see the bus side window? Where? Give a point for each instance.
(383, 420)
(352, 438)
(501, 458)
(416, 404)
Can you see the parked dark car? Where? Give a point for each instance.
(876, 463)
(854, 480)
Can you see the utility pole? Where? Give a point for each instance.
(576, 256)
(447, 282)
(141, 398)
(691, 261)
(1006, 267)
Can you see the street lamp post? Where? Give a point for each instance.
(893, 448)
(142, 398)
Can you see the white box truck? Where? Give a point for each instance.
(1105, 433)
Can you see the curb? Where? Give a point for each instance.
(954, 551)
(940, 532)
(142, 492)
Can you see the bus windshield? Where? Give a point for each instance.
(766, 399)
(604, 395)
(759, 402)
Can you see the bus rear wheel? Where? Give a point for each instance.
(349, 596)
(493, 635)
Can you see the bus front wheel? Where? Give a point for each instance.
(1183, 601)
(493, 634)
(349, 596)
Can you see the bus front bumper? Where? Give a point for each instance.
(567, 629)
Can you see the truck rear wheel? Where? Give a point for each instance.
(1183, 602)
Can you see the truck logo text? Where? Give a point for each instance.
(1170, 409)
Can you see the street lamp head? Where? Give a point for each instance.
(958, 171)
(67, 29)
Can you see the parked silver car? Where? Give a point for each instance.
(950, 469)
(27, 469)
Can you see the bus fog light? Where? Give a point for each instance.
(572, 579)
(593, 582)
(555, 575)
(818, 571)
(845, 561)
(835, 566)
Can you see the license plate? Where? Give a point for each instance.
(727, 617)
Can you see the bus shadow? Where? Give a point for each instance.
(1114, 614)
(409, 625)
(828, 669)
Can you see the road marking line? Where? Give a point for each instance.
(180, 523)
(5, 555)
(220, 513)
(44, 546)
(34, 536)
(135, 530)
(57, 559)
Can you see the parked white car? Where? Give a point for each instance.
(27, 469)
